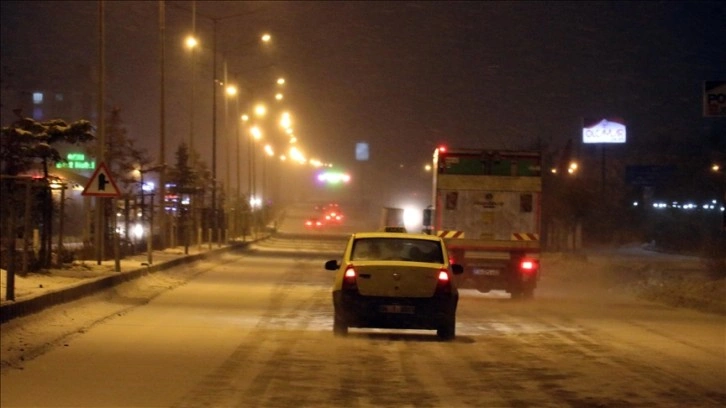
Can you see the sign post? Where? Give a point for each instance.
(102, 185)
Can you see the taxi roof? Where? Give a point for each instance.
(407, 235)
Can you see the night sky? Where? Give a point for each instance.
(402, 76)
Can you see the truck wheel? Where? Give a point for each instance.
(340, 328)
(522, 292)
(447, 331)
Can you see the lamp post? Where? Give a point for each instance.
(162, 128)
(143, 189)
(231, 91)
(215, 222)
(244, 119)
(256, 134)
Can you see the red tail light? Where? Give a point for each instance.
(443, 286)
(349, 278)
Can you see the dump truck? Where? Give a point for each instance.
(487, 205)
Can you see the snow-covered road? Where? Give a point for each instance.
(256, 330)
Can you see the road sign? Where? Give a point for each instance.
(101, 184)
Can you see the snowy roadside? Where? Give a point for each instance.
(27, 337)
(673, 280)
(37, 283)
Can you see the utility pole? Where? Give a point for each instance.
(215, 223)
(162, 127)
(101, 139)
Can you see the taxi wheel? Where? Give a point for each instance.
(340, 328)
(447, 331)
(528, 293)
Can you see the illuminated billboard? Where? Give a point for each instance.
(332, 177)
(603, 130)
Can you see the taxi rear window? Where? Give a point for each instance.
(397, 249)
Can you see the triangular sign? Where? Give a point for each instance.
(101, 184)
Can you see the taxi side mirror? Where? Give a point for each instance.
(332, 265)
(457, 269)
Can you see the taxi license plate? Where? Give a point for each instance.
(397, 309)
(486, 272)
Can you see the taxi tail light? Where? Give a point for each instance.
(350, 278)
(528, 266)
(443, 285)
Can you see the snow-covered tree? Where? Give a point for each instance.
(25, 145)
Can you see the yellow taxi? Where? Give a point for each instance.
(395, 280)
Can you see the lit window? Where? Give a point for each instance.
(59, 97)
(37, 98)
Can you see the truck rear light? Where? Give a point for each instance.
(528, 265)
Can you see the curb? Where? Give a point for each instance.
(38, 303)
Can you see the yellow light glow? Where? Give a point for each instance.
(245, 117)
(281, 81)
(297, 155)
(266, 37)
(260, 110)
(269, 150)
(285, 120)
(231, 90)
(191, 42)
(279, 96)
(256, 132)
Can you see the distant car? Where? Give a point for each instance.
(395, 280)
(333, 217)
(313, 223)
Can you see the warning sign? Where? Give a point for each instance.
(101, 184)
